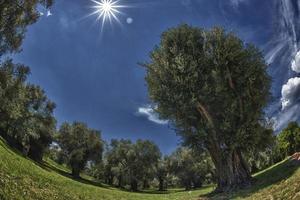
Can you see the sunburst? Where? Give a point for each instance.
(107, 10)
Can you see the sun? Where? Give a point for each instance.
(107, 10)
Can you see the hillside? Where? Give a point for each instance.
(21, 178)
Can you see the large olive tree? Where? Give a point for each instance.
(213, 87)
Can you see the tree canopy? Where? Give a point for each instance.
(289, 139)
(26, 114)
(16, 15)
(213, 87)
(79, 144)
(130, 163)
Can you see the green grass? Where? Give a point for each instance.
(22, 179)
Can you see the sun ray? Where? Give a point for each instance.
(107, 10)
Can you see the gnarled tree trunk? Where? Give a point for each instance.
(232, 171)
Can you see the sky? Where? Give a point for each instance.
(92, 72)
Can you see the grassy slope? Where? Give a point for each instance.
(21, 178)
(281, 181)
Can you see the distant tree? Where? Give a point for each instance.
(191, 169)
(131, 163)
(117, 159)
(26, 114)
(16, 15)
(162, 171)
(80, 144)
(213, 88)
(289, 139)
(147, 155)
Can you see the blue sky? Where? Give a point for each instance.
(93, 75)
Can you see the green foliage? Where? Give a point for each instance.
(201, 78)
(16, 15)
(213, 87)
(192, 169)
(163, 169)
(26, 114)
(131, 163)
(79, 144)
(22, 179)
(289, 139)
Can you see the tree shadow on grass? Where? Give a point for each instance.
(171, 191)
(9, 148)
(46, 166)
(264, 179)
(49, 167)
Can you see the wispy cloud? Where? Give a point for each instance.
(296, 63)
(283, 55)
(152, 116)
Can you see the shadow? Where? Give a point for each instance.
(264, 179)
(45, 165)
(170, 191)
(48, 167)
(9, 148)
(160, 192)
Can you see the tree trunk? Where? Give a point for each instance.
(134, 185)
(75, 172)
(161, 184)
(145, 184)
(120, 181)
(232, 170)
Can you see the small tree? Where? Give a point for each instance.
(80, 144)
(131, 163)
(213, 88)
(289, 139)
(147, 155)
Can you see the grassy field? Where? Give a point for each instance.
(21, 178)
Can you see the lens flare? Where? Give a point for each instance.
(107, 10)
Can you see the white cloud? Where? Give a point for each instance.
(290, 92)
(296, 63)
(151, 115)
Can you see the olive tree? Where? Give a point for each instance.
(289, 139)
(79, 144)
(26, 113)
(213, 88)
